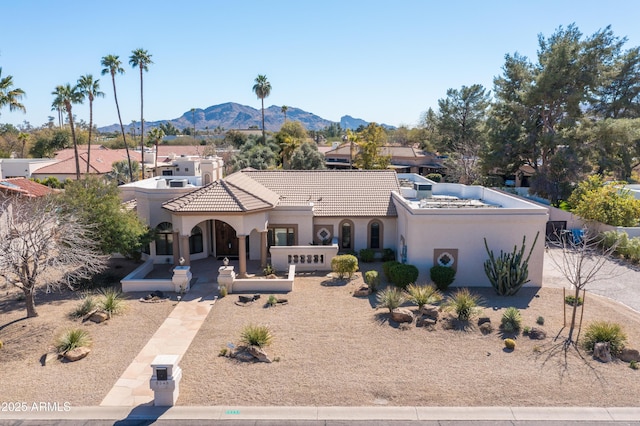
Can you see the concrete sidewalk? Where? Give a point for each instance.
(338, 415)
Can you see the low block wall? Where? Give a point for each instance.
(262, 285)
(304, 258)
(136, 281)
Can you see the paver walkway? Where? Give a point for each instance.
(173, 337)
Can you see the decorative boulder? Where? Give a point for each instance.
(484, 320)
(402, 315)
(537, 334)
(258, 354)
(430, 311)
(602, 352)
(363, 291)
(486, 328)
(76, 354)
(99, 317)
(628, 355)
(426, 321)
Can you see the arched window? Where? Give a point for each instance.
(164, 239)
(346, 235)
(207, 178)
(375, 235)
(195, 241)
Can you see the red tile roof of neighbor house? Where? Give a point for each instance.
(24, 186)
(102, 160)
(345, 193)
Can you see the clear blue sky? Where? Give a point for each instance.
(383, 61)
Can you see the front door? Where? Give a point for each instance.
(226, 240)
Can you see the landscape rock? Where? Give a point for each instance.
(426, 321)
(628, 355)
(486, 328)
(484, 320)
(77, 354)
(537, 334)
(242, 355)
(431, 311)
(363, 291)
(602, 352)
(402, 315)
(89, 314)
(258, 353)
(99, 317)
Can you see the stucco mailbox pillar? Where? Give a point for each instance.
(181, 279)
(226, 275)
(165, 380)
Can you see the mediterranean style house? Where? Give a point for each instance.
(286, 217)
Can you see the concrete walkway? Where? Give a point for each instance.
(173, 337)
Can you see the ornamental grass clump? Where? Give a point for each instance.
(390, 298)
(604, 331)
(423, 294)
(463, 303)
(87, 304)
(256, 335)
(112, 302)
(511, 320)
(72, 339)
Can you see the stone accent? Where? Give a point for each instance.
(430, 311)
(602, 352)
(363, 291)
(402, 315)
(483, 320)
(259, 354)
(425, 321)
(537, 334)
(628, 355)
(486, 328)
(76, 354)
(99, 317)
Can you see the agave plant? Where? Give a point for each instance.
(112, 302)
(463, 303)
(423, 294)
(256, 335)
(71, 339)
(390, 298)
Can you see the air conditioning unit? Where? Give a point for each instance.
(423, 190)
(178, 183)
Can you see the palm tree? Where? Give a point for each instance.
(68, 96)
(142, 59)
(9, 96)
(89, 89)
(112, 65)
(58, 106)
(155, 135)
(262, 89)
(284, 111)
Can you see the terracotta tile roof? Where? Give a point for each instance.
(24, 186)
(333, 192)
(102, 160)
(237, 193)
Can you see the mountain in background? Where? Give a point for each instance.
(231, 115)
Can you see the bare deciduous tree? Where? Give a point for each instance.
(41, 247)
(582, 260)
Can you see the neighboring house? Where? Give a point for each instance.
(425, 223)
(22, 167)
(404, 159)
(21, 186)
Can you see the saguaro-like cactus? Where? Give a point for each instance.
(509, 271)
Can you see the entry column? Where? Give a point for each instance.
(184, 249)
(263, 249)
(242, 256)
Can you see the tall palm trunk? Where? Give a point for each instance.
(264, 139)
(90, 130)
(75, 141)
(124, 138)
(141, 125)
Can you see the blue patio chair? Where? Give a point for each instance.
(577, 235)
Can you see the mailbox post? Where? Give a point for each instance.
(165, 380)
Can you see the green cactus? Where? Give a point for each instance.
(510, 271)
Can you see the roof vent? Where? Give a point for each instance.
(423, 190)
(177, 183)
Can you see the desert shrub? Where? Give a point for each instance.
(344, 264)
(442, 276)
(540, 320)
(436, 177)
(423, 294)
(386, 268)
(603, 331)
(633, 250)
(223, 291)
(223, 352)
(272, 300)
(633, 364)
(388, 254)
(510, 344)
(71, 339)
(367, 255)
(372, 279)
(526, 330)
(87, 304)
(390, 298)
(572, 301)
(464, 303)
(256, 335)
(403, 274)
(511, 320)
(112, 302)
(268, 270)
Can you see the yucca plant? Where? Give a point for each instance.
(511, 320)
(390, 298)
(423, 294)
(71, 339)
(603, 331)
(463, 303)
(87, 304)
(256, 335)
(112, 302)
